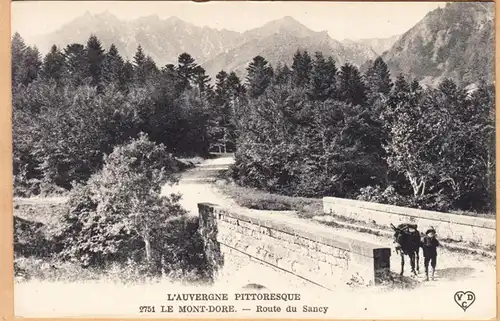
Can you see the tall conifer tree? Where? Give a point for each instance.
(54, 65)
(351, 86)
(95, 59)
(301, 68)
(260, 75)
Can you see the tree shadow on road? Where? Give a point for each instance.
(403, 282)
(455, 273)
(396, 281)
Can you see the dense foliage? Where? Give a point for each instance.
(77, 103)
(316, 130)
(309, 129)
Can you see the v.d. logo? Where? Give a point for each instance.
(465, 299)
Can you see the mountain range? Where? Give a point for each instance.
(165, 39)
(455, 41)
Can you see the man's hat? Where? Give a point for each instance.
(431, 230)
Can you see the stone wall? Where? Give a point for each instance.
(208, 230)
(452, 227)
(317, 255)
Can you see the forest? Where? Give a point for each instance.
(311, 129)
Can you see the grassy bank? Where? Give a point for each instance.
(260, 200)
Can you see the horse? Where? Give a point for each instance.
(408, 240)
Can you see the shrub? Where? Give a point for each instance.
(371, 194)
(181, 250)
(29, 239)
(386, 196)
(119, 213)
(434, 202)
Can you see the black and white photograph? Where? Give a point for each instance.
(241, 159)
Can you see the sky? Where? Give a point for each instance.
(352, 20)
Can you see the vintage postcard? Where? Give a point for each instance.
(326, 160)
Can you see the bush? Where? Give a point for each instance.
(119, 216)
(372, 194)
(386, 196)
(181, 251)
(113, 216)
(23, 187)
(30, 240)
(433, 202)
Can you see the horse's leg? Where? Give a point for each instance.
(418, 259)
(426, 264)
(433, 265)
(402, 262)
(412, 263)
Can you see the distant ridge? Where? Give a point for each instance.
(455, 41)
(216, 49)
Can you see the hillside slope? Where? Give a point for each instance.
(456, 41)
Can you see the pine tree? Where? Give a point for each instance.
(139, 61)
(283, 74)
(26, 62)
(201, 80)
(150, 67)
(228, 91)
(220, 87)
(401, 85)
(259, 77)
(236, 89)
(351, 86)
(186, 68)
(217, 130)
(400, 94)
(32, 65)
(169, 68)
(323, 83)
(76, 63)
(456, 100)
(126, 76)
(112, 66)
(95, 59)
(18, 50)
(144, 66)
(481, 131)
(301, 68)
(139, 57)
(415, 86)
(54, 65)
(378, 78)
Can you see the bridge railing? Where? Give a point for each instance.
(306, 249)
(453, 227)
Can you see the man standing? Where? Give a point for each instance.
(429, 246)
